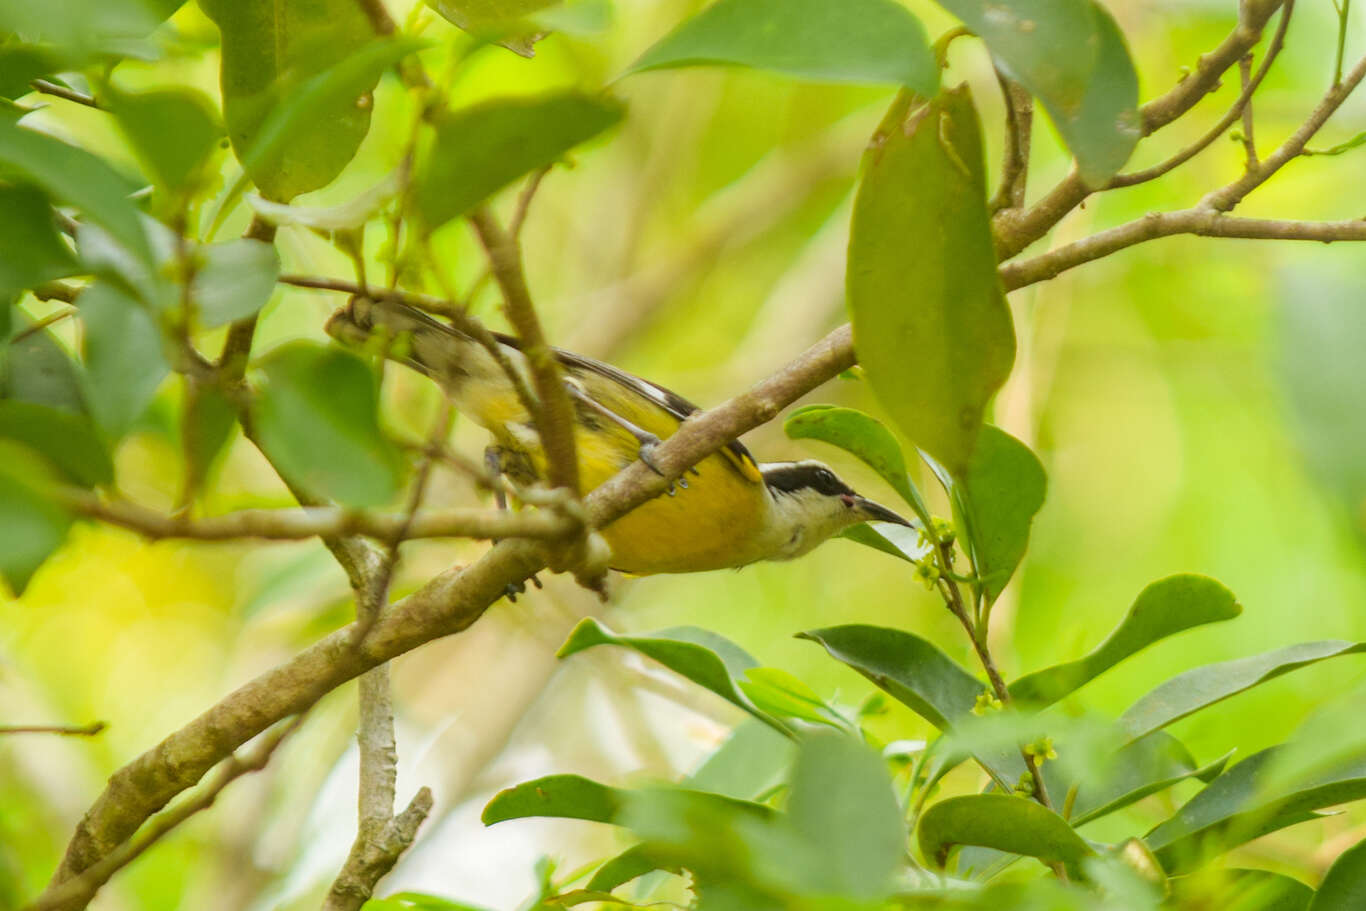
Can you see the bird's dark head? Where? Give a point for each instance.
(813, 503)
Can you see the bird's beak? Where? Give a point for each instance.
(876, 512)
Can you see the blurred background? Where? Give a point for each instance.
(1200, 405)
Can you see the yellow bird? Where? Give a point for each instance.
(729, 511)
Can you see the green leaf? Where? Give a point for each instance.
(1165, 608)
(1194, 690)
(751, 762)
(206, 426)
(34, 251)
(560, 796)
(317, 418)
(85, 28)
(172, 131)
(36, 368)
(1344, 887)
(1003, 822)
(996, 504)
(1146, 766)
(296, 79)
(417, 901)
(150, 280)
(32, 526)
(481, 149)
(75, 177)
(66, 440)
(1071, 55)
(862, 436)
(894, 540)
(779, 693)
(123, 359)
(842, 799)
(874, 42)
(908, 667)
(235, 280)
(1262, 890)
(626, 866)
(707, 659)
(1239, 806)
(931, 325)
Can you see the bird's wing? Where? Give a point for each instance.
(671, 402)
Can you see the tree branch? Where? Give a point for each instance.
(324, 522)
(76, 891)
(65, 730)
(1019, 129)
(447, 604)
(45, 87)
(1198, 221)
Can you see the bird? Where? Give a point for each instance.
(727, 512)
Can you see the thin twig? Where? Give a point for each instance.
(1230, 116)
(1343, 8)
(78, 890)
(39, 325)
(555, 416)
(322, 522)
(1249, 131)
(60, 91)
(1019, 107)
(533, 183)
(65, 730)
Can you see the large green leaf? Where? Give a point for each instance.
(123, 357)
(66, 440)
(842, 798)
(995, 505)
(863, 436)
(316, 415)
(481, 149)
(1166, 607)
(1344, 888)
(34, 252)
(1003, 822)
(1194, 690)
(296, 77)
(751, 762)
(705, 658)
(862, 41)
(1071, 55)
(234, 280)
(908, 667)
(626, 866)
(32, 526)
(172, 131)
(1239, 806)
(931, 324)
(76, 177)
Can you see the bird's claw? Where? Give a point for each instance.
(513, 589)
(647, 448)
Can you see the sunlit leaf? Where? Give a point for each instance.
(562, 796)
(481, 149)
(317, 419)
(626, 866)
(417, 901)
(32, 526)
(1006, 823)
(1194, 690)
(1344, 886)
(862, 41)
(123, 357)
(705, 658)
(172, 131)
(234, 280)
(1165, 608)
(33, 250)
(931, 325)
(862, 436)
(296, 80)
(779, 693)
(894, 540)
(66, 440)
(1238, 806)
(1071, 55)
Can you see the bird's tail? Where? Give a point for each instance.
(411, 337)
